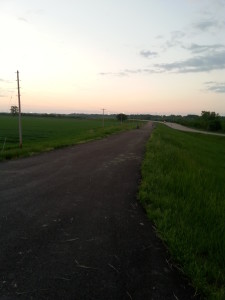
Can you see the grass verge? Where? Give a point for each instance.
(45, 133)
(183, 191)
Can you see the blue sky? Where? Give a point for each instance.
(136, 56)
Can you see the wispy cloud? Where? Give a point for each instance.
(5, 81)
(127, 72)
(177, 34)
(175, 39)
(148, 53)
(206, 63)
(205, 25)
(209, 25)
(22, 19)
(30, 13)
(118, 74)
(217, 87)
(158, 37)
(36, 11)
(196, 48)
(141, 71)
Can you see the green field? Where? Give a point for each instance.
(183, 191)
(47, 133)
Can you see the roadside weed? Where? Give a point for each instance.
(183, 191)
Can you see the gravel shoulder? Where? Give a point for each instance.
(72, 228)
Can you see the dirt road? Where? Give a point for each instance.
(71, 226)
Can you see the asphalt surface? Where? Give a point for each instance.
(72, 228)
(188, 129)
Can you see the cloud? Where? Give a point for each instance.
(127, 72)
(206, 63)
(217, 87)
(36, 11)
(148, 54)
(206, 25)
(30, 13)
(177, 34)
(208, 59)
(140, 71)
(174, 40)
(119, 74)
(5, 81)
(195, 48)
(210, 62)
(158, 37)
(22, 19)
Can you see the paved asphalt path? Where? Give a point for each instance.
(188, 129)
(72, 228)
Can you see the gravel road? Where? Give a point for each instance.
(188, 129)
(72, 228)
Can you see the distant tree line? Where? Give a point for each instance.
(206, 121)
(209, 121)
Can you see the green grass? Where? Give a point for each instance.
(183, 191)
(45, 133)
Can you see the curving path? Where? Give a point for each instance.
(184, 128)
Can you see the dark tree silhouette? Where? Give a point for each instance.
(121, 117)
(14, 110)
(211, 121)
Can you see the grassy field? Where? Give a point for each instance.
(183, 191)
(46, 133)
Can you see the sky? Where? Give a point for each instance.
(131, 56)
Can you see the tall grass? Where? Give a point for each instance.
(45, 133)
(183, 191)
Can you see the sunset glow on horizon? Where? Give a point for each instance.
(136, 56)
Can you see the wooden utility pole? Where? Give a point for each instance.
(20, 126)
(103, 117)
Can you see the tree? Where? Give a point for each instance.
(14, 110)
(121, 117)
(211, 121)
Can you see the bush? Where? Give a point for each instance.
(214, 125)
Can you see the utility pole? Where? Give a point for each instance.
(20, 126)
(103, 117)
